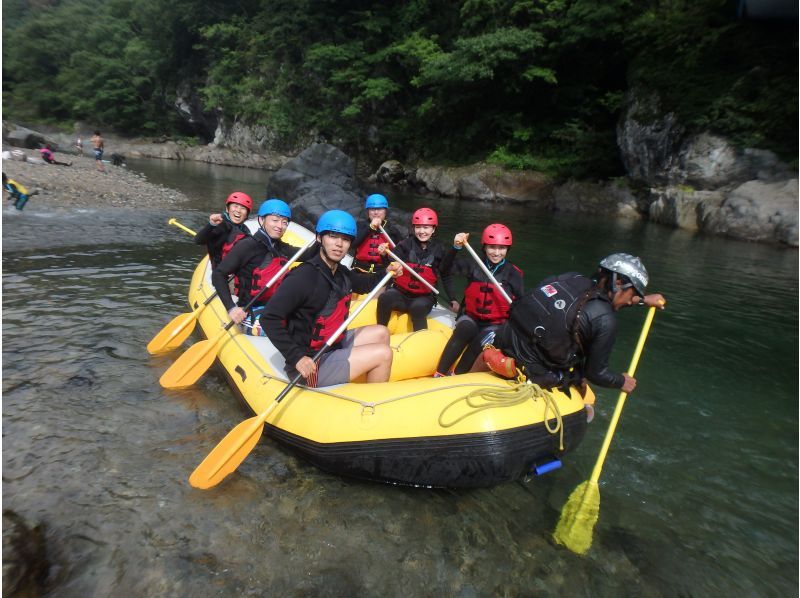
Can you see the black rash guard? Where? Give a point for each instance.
(245, 256)
(289, 317)
(215, 236)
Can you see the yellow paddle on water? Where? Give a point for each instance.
(199, 357)
(580, 513)
(237, 444)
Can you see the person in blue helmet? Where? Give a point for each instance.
(311, 304)
(369, 235)
(253, 261)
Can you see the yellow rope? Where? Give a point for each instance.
(508, 397)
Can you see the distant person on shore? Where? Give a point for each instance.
(49, 157)
(99, 145)
(16, 192)
(79, 145)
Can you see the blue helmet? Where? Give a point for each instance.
(337, 221)
(275, 206)
(376, 200)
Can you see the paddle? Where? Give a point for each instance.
(177, 330)
(199, 357)
(174, 222)
(181, 326)
(486, 271)
(580, 513)
(237, 444)
(385, 234)
(412, 271)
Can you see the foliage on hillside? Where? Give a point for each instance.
(524, 83)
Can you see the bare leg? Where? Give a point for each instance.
(371, 354)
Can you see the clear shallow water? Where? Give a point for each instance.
(699, 490)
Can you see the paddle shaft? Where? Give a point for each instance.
(385, 234)
(259, 421)
(622, 397)
(486, 271)
(174, 222)
(412, 271)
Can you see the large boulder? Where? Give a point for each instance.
(22, 137)
(648, 138)
(757, 211)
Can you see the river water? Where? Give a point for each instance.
(699, 490)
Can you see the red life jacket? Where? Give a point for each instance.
(234, 236)
(409, 283)
(263, 273)
(482, 300)
(333, 314)
(368, 250)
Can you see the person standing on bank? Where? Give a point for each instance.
(406, 294)
(254, 261)
(224, 230)
(311, 304)
(98, 145)
(562, 331)
(484, 308)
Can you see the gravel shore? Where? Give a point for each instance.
(82, 185)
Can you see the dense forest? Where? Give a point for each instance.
(525, 83)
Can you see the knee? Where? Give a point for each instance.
(382, 334)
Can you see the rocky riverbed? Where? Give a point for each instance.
(83, 185)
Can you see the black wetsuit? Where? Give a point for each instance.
(417, 306)
(472, 332)
(215, 236)
(290, 316)
(597, 331)
(245, 257)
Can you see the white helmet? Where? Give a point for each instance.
(628, 266)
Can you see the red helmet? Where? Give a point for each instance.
(496, 234)
(243, 199)
(425, 216)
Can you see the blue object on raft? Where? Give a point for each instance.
(546, 467)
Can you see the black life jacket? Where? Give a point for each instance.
(547, 316)
(482, 300)
(422, 266)
(335, 311)
(367, 252)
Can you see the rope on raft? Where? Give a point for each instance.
(519, 392)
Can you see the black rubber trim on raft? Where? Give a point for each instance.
(460, 461)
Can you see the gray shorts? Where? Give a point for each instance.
(333, 367)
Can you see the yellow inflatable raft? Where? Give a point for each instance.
(470, 430)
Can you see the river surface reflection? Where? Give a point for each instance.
(699, 491)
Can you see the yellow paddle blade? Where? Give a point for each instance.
(191, 365)
(173, 334)
(228, 454)
(574, 529)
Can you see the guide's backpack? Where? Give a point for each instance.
(546, 316)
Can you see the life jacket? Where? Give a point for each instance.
(263, 273)
(546, 317)
(233, 237)
(409, 283)
(482, 300)
(335, 311)
(367, 252)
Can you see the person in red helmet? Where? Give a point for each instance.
(484, 308)
(407, 294)
(224, 230)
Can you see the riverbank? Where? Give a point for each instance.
(82, 185)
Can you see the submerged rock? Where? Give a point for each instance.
(25, 564)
